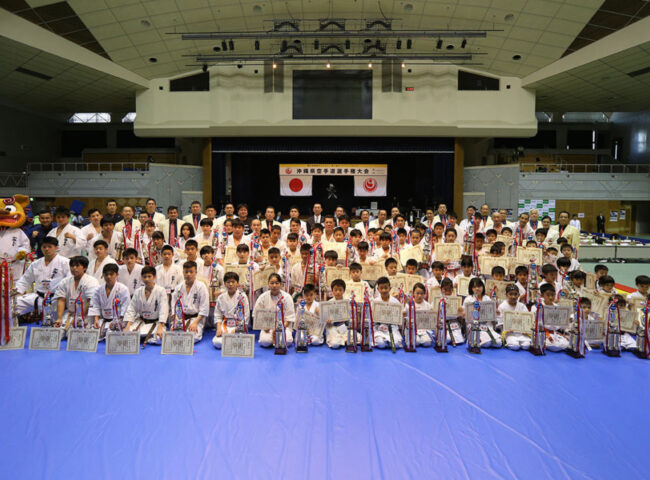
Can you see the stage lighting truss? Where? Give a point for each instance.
(298, 41)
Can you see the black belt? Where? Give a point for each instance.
(41, 294)
(149, 321)
(187, 317)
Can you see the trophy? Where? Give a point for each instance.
(351, 344)
(349, 252)
(470, 238)
(215, 239)
(178, 319)
(577, 333)
(119, 251)
(613, 331)
(410, 328)
(532, 285)
(426, 254)
(224, 241)
(441, 327)
(301, 332)
(280, 332)
(322, 284)
(367, 326)
(474, 337)
(47, 311)
(79, 320)
(241, 327)
(286, 266)
(538, 343)
(642, 338)
(214, 284)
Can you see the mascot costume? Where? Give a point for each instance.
(14, 249)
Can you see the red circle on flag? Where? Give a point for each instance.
(295, 185)
(287, 171)
(370, 185)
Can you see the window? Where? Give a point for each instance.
(129, 118)
(96, 117)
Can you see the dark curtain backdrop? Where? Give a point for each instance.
(414, 179)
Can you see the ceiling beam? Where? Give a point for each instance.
(25, 32)
(629, 37)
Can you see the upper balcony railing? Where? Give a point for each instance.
(532, 167)
(64, 167)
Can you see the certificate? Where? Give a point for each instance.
(339, 247)
(407, 282)
(453, 304)
(594, 331)
(387, 313)
(42, 338)
(238, 345)
(336, 273)
(240, 270)
(590, 282)
(313, 322)
(264, 319)
(518, 322)
(557, 316)
(82, 340)
(463, 286)
(488, 312)
(336, 311)
(358, 288)
(177, 343)
(293, 259)
(487, 263)
(500, 286)
(231, 255)
(122, 343)
(261, 277)
(371, 273)
(628, 321)
(526, 254)
(414, 253)
(507, 240)
(426, 319)
(17, 336)
(448, 252)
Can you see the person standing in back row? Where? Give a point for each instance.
(600, 223)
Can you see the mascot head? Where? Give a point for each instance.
(13, 211)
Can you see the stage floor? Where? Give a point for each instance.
(326, 414)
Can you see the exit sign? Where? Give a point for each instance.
(409, 89)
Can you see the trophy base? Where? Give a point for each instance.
(440, 349)
(612, 353)
(409, 349)
(351, 348)
(301, 349)
(281, 350)
(476, 350)
(641, 355)
(366, 348)
(574, 354)
(538, 352)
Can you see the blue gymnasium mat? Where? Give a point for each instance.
(326, 414)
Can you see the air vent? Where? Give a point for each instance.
(636, 73)
(32, 73)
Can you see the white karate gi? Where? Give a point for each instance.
(514, 341)
(555, 341)
(67, 247)
(132, 279)
(169, 278)
(67, 290)
(268, 302)
(423, 336)
(485, 338)
(195, 302)
(45, 277)
(101, 305)
(143, 312)
(225, 313)
(12, 241)
(98, 272)
(382, 335)
(113, 245)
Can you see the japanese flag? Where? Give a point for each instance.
(369, 186)
(295, 185)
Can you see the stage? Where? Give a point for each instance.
(326, 414)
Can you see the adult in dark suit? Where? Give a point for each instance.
(317, 217)
(600, 223)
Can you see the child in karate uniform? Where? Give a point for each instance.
(106, 312)
(130, 274)
(424, 337)
(514, 341)
(195, 301)
(489, 336)
(311, 306)
(77, 285)
(336, 332)
(382, 335)
(148, 310)
(555, 340)
(268, 301)
(226, 315)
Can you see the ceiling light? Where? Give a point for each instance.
(275, 65)
(509, 17)
(316, 44)
(217, 49)
(153, 60)
(450, 46)
(231, 45)
(257, 44)
(145, 23)
(463, 43)
(409, 43)
(439, 44)
(328, 65)
(403, 65)
(516, 57)
(399, 44)
(205, 67)
(370, 65)
(347, 44)
(224, 45)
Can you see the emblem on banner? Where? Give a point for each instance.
(295, 185)
(370, 185)
(287, 171)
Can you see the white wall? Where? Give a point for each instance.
(585, 186)
(499, 183)
(236, 105)
(166, 183)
